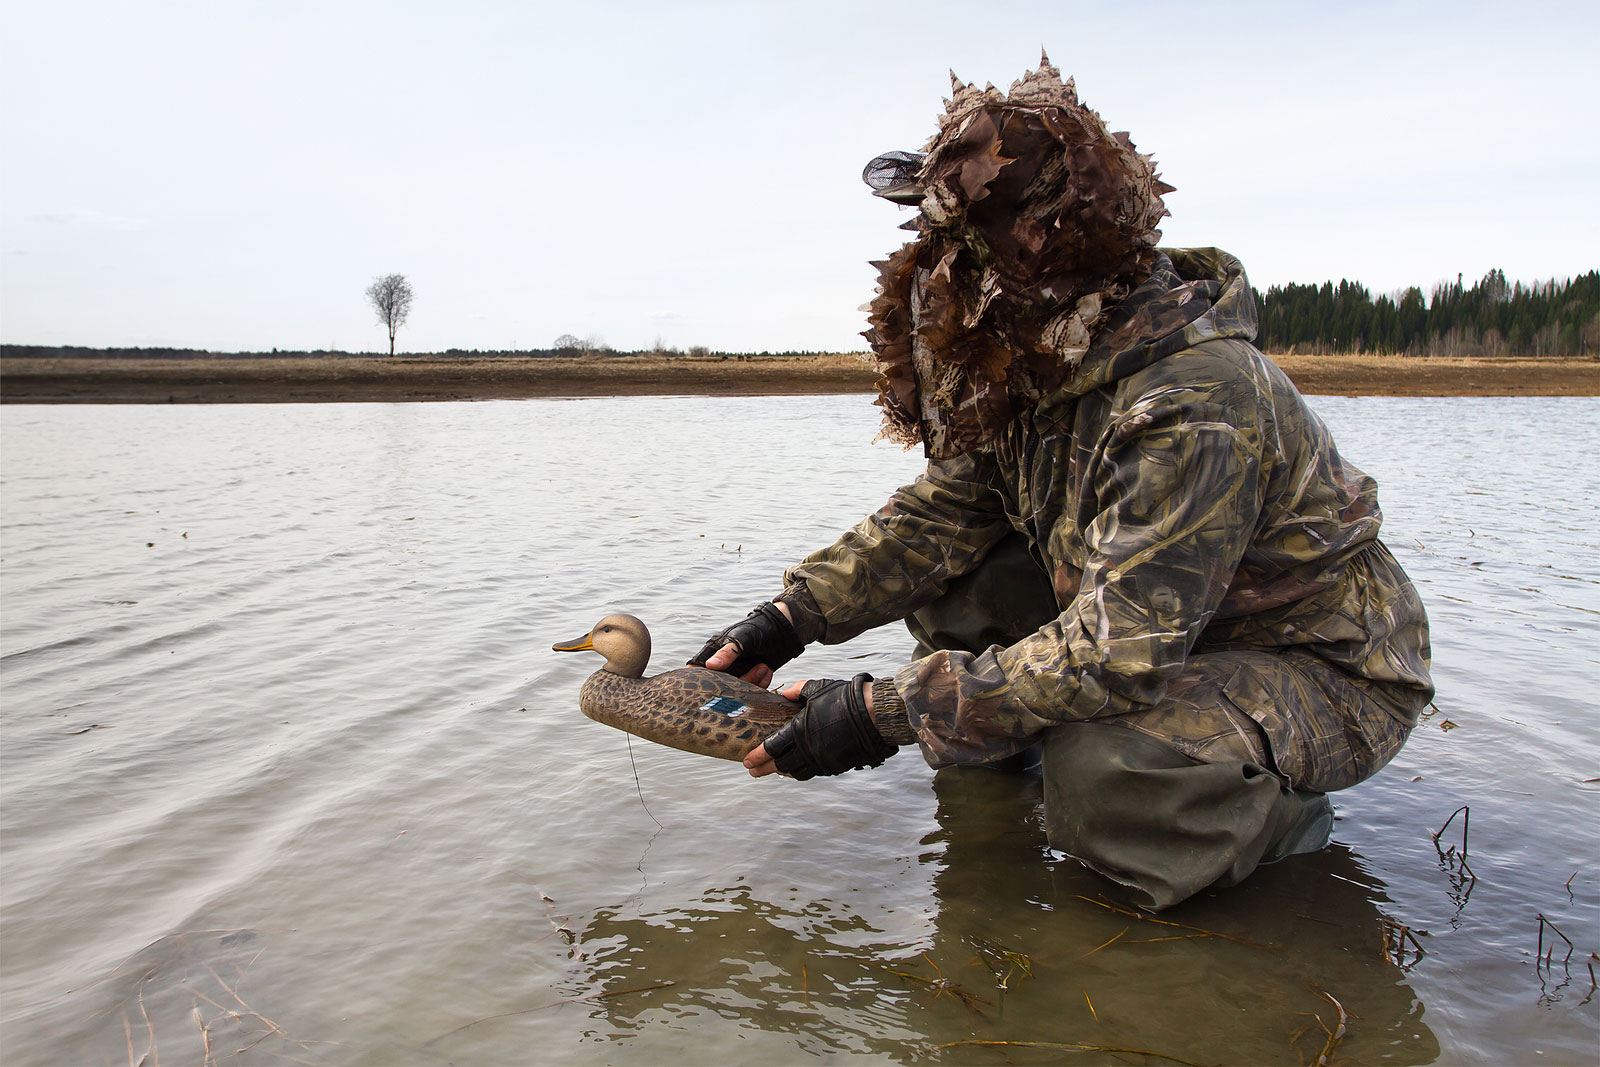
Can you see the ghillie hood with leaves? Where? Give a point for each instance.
(1036, 221)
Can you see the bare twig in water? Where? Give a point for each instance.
(1110, 941)
(269, 1028)
(140, 972)
(205, 1036)
(1066, 1046)
(1002, 962)
(150, 1053)
(1543, 954)
(1336, 1034)
(1465, 811)
(1092, 1013)
(1395, 937)
(558, 922)
(552, 1004)
(1463, 883)
(1130, 913)
(272, 1027)
(943, 986)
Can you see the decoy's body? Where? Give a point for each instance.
(691, 708)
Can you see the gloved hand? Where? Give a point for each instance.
(832, 734)
(765, 637)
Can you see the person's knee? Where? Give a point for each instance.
(1102, 781)
(1143, 814)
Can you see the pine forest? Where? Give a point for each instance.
(1489, 318)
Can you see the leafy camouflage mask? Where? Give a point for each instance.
(1035, 221)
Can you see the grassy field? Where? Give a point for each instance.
(43, 380)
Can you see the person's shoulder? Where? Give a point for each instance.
(1224, 371)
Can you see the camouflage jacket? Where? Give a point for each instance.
(1183, 497)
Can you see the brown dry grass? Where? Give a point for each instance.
(414, 378)
(1461, 376)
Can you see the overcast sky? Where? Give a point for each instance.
(233, 175)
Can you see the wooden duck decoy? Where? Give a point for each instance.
(691, 708)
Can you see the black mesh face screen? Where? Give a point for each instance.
(893, 176)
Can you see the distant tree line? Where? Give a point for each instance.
(9, 351)
(1491, 318)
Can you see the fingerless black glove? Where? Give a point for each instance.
(832, 734)
(764, 636)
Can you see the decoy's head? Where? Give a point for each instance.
(622, 639)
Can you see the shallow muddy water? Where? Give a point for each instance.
(288, 768)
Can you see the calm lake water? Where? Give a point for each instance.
(289, 773)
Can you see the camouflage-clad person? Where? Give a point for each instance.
(1133, 542)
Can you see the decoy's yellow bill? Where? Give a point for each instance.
(581, 644)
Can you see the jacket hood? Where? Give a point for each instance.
(1192, 295)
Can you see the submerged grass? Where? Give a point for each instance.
(1066, 1046)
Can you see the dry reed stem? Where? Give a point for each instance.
(226, 988)
(220, 1009)
(1334, 1036)
(1541, 954)
(992, 954)
(943, 986)
(1092, 1013)
(1164, 922)
(1395, 936)
(273, 1027)
(150, 1052)
(246, 1048)
(1114, 938)
(209, 1058)
(1465, 811)
(1067, 1046)
(558, 923)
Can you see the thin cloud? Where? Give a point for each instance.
(84, 216)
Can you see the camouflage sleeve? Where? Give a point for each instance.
(901, 557)
(1176, 491)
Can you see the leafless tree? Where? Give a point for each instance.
(584, 346)
(390, 297)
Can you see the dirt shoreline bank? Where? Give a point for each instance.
(45, 380)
